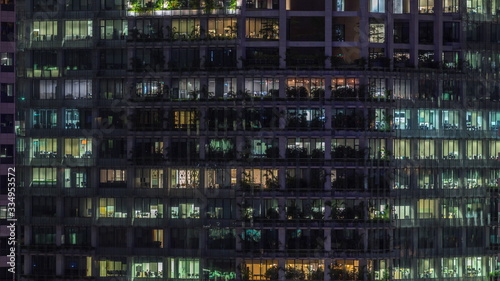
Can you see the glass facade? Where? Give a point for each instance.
(255, 139)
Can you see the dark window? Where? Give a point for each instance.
(44, 60)
(75, 266)
(184, 238)
(401, 32)
(473, 32)
(186, 58)
(451, 32)
(299, 29)
(76, 235)
(114, 59)
(425, 32)
(6, 154)
(44, 5)
(43, 265)
(113, 148)
(6, 124)
(78, 5)
(43, 235)
(7, 92)
(7, 31)
(43, 206)
(112, 237)
(221, 57)
(77, 60)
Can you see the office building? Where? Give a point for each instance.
(259, 139)
(7, 134)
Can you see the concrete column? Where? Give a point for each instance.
(328, 32)
(282, 34)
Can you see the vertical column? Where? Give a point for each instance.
(414, 33)
(363, 28)
(282, 34)
(328, 32)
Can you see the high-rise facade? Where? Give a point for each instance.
(7, 136)
(259, 139)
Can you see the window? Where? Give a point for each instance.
(6, 92)
(43, 206)
(113, 208)
(185, 88)
(451, 32)
(426, 209)
(44, 148)
(77, 266)
(113, 5)
(76, 60)
(144, 89)
(114, 29)
(7, 29)
(401, 90)
(184, 119)
(149, 178)
(112, 119)
(113, 148)
(261, 86)
(220, 149)
(451, 6)
(184, 58)
(113, 178)
(150, 208)
(76, 177)
(44, 177)
(257, 268)
(182, 149)
(477, 6)
(474, 120)
(184, 209)
(76, 236)
(185, 28)
(426, 149)
(305, 118)
(344, 269)
(78, 5)
(425, 32)
(262, 28)
(6, 123)
(77, 119)
(44, 31)
(401, 6)
(148, 238)
(299, 29)
(402, 32)
(43, 235)
(305, 148)
(402, 149)
(112, 237)
(44, 118)
(116, 266)
(377, 6)
(45, 89)
(427, 119)
(222, 87)
(450, 120)
(183, 268)
(305, 87)
(425, 6)
(184, 178)
(259, 179)
(451, 149)
(264, 148)
(78, 207)
(78, 30)
(220, 178)
(111, 88)
(43, 265)
(221, 209)
(377, 32)
(7, 62)
(113, 59)
(222, 28)
(184, 238)
(78, 148)
(221, 57)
